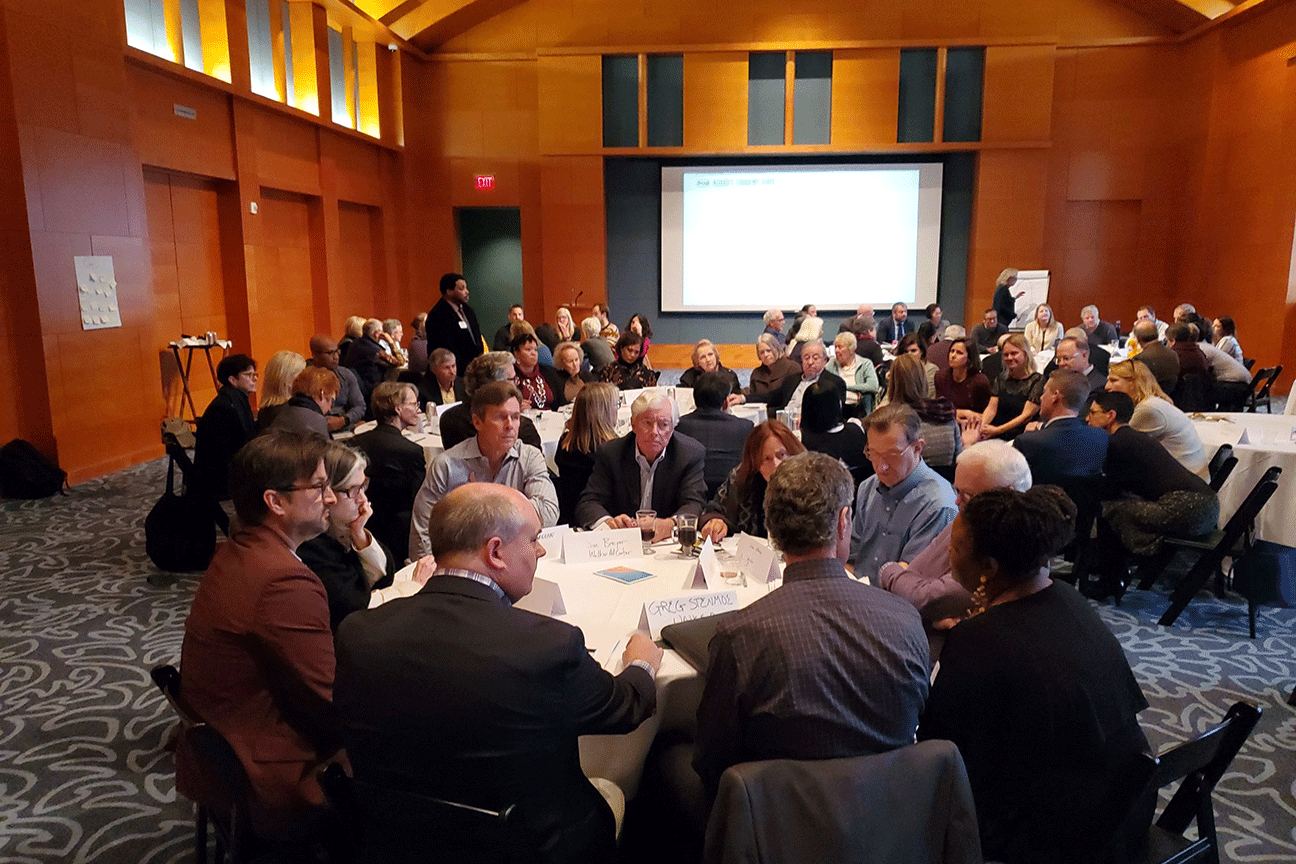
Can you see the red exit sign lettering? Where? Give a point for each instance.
(485, 182)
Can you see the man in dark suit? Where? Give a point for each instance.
(893, 329)
(452, 323)
(504, 334)
(456, 694)
(820, 624)
(651, 468)
(396, 464)
(442, 384)
(257, 657)
(1160, 360)
(364, 357)
(1073, 354)
(723, 435)
(814, 359)
(1065, 447)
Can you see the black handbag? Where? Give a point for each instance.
(180, 531)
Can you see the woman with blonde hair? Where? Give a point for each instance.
(1005, 299)
(1015, 393)
(1044, 333)
(565, 324)
(811, 329)
(1156, 415)
(707, 359)
(591, 425)
(276, 385)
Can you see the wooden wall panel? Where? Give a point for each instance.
(573, 232)
(1007, 221)
(865, 96)
(715, 102)
(570, 104)
(354, 294)
(203, 146)
(282, 310)
(1018, 98)
(287, 153)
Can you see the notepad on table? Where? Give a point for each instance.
(626, 575)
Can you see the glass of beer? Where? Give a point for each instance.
(645, 519)
(686, 532)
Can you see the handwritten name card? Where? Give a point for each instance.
(756, 559)
(601, 546)
(657, 614)
(552, 541)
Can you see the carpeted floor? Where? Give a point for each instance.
(84, 777)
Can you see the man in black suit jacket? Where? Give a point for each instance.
(396, 464)
(456, 694)
(671, 464)
(814, 357)
(363, 357)
(1073, 353)
(1065, 448)
(441, 384)
(895, 328)
(452, 323)
(723, 435)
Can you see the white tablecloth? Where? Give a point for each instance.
(607, 611)
(1271, 440)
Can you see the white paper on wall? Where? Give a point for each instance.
(97, 292)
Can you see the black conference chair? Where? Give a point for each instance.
(1261, 385)
(226, 790)
(1233, 541)
(1199, 763)
(1194, 392)
(1221, 466)
(393, 826)
(1249, 363)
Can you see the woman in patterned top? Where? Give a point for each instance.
(739, 504)
(628, 371)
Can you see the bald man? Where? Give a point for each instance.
(349, 404)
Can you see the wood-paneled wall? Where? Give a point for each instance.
(109, 168)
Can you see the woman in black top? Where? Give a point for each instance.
(707, 359)
(1032, 687)
(346, 557)
(824, 431)
(774, 368)
(1014, 394)
(739, 505)
(628, 371)
(314, 390)
(591, 425)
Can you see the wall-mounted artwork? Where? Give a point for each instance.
(97, 291)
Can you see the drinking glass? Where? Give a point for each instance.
(645, 519)
(686, 532)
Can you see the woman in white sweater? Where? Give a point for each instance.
(1156, 415)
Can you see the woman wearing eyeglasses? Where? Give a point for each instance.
(357, 570)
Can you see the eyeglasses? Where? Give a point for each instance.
(353, 491)
(319, 487)
(888, 456)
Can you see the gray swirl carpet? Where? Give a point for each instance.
(84, 777)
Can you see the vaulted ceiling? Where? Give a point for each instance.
(429, 23)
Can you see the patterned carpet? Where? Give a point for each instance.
(84, 777)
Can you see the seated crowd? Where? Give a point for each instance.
(917, 479)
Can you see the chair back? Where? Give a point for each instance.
(1200, 762)
(1261, 385)
(1221, 466)
(1194, 392)
(1243, 519)
(906, 806)
(395, 826)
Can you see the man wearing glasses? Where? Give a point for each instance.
(257, 659)
(348, 404)
(901, 509)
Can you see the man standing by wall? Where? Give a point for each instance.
(452, 323)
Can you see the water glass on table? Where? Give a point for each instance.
(646, 520)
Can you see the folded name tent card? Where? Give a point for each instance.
(657, 614)
(599, 547)
(757, 559)
(707, 572)
(625, 575)
(545, 599)
(552, 541)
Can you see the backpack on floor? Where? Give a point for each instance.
(26, 473)
(180, 532)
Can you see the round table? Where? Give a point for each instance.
(1270, 440)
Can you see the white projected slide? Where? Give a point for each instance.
(751, 238)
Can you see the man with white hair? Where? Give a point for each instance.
(774, 326)
(814, 362)
(651, 468)
(598, 353)
(1097, 331)
(926, 581)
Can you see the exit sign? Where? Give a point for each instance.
(485, 182)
